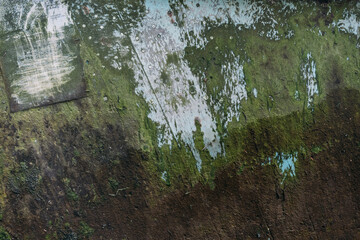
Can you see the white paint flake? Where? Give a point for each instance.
(255, 92)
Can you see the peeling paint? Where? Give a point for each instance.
(349, 24)
(235, 88)
(172, 103)
(309, 74)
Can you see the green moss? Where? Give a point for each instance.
(172, 59)
(4, 235)
(85, 230)
(165, 78)
(316, 149)
(24, 178)
(70, 193)
(114, 184)
(179, 164)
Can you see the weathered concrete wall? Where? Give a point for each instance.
(217, 119)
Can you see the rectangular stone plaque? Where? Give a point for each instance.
(40, 54)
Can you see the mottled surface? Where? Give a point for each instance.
(203, 119)
(40, 54)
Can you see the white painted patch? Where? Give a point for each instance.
(350, 23)
(255, 92)
(164, 175)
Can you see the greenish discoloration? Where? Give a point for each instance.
(97, 132)
(85, 230)
(70, 193)
(4, 235)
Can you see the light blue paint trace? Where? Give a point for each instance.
(285, 162)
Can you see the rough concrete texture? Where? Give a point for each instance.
(222, 119)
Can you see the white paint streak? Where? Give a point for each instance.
(309, 74)
(234, 89)
(255, 92)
